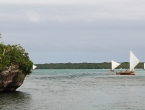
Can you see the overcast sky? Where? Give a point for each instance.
(61, 31)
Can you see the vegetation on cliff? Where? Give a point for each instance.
(15, 55)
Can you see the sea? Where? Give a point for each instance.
(77, 89)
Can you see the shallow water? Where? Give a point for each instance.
(77, 89)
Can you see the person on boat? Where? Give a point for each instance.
(126, 71)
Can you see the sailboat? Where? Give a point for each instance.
(114, 65)
(144, 66)
(133, 62)
(34, 67)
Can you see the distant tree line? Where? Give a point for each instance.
(104, 65)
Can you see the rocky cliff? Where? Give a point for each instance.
(11, 78)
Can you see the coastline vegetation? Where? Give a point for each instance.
(104, 65)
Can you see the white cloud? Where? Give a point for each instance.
(33, 16)
(63, 10)
(21, 15)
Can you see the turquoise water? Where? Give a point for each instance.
(77, 89)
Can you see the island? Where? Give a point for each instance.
(15, 64)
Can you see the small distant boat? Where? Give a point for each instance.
(133, 62)
(114, 65)
(34, 67)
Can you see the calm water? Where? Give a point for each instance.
(77, 89)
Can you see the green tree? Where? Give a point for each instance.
(15, 55)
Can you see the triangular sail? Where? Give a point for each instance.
(144, 66)
(114, 65)
(133, 61)
(34, 67)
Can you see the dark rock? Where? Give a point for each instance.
(11, 78)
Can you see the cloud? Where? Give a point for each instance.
(47, 2)
(74, 10)
(72, 30)
(21, 16)
(33, 16)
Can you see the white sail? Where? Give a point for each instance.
(34, 67)
(133, 61)
(144, 66)
(114, 64)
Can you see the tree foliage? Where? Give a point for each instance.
(14, 55)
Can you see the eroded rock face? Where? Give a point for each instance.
(11, 79)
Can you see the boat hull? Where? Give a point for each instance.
(125, 73)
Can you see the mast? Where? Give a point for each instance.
(133, 61)
(114, 65)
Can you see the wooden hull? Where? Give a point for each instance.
(125, 73)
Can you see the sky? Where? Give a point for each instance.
(76, 31)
